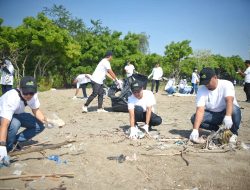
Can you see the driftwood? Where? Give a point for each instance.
(36, 176)
(38, 149)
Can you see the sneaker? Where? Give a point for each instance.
(233, 139)
(84, 109)
(101, 110)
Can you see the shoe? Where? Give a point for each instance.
(101, 110)
(84, 109)
(233, 139)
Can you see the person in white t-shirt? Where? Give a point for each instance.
(195, 81)
(7, 75)
(103, 68)
(170, 86)
(216, 104)
(141, 109)
(13, 116)
(246, 74)
(157, 73)
(82, 81)
(129, 68)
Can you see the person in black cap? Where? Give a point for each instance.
(216, 104)
(246, 74)
(12, 115)
(103, 68)
(141, 109)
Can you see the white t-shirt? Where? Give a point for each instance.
(170, 83)
(157, 73)
(214, 100)
(101, 70)
(129, 69)
(147, 100)
(195, 78)
(82, 79)
(11, 103)
(247, 77)
(6, 78)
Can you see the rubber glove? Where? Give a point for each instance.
(228, 122)
(145, 127)
(3, 152)
(74, 98)
(194, 135)
(119, 84)
(133, 133)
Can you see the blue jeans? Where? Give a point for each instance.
(170, 90)
(33, 127)
(194, 88)
(212, 120)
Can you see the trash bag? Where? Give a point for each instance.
(119, 98)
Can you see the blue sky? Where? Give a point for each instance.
(222, 26)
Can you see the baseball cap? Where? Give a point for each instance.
(108, 53)
(28, 85)
(205, 75)
(135, 87)
(247, 61)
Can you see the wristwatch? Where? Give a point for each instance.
(2, 143)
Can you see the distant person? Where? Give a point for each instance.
(216, 104)
(157, 73)
(141, 109)
(129, 68)
(170, 86)
(246, 74)
(7, 75)
(103, 68)
(183, 87)
(195, 81)
(82, 81)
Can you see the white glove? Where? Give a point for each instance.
(194, 135)
(133, 133)
(74, 98)
(3, 152)
(49, 125)
(228, 122)
(145, 127)
(119, 84)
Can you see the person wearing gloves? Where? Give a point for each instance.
(7, 75)
(157, 73)
(82, 81)
(12, 115)
(103, 68)
(140, 107)
(216, 104)
(129, 68)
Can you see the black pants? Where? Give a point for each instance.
(84, 86)
(140, 116)
(247, 91)
(157, 82)
(97, 91)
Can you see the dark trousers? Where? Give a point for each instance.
(247, 91)
(84, 86)
(140, 116)
(157, 82)
(6, 88)
(97, 91)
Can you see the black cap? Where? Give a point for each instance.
(108, 54)
(205, 75)
(135, 87)
(28, 85)
(247, 61)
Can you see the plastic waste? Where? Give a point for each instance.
(57, 159)
(121, 158)
(5, 162)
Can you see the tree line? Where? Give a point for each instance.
(54, 47)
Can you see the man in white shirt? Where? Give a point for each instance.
(129, 68)
(141, 109)
(12, 115)
(157, 73)
(195, 81)
(246, 74)
(170, 86)
(216, 104)
(103, 68)
(82, 81)
(7, 75)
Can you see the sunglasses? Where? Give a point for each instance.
(29, 93)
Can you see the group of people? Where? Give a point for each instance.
(216, 104)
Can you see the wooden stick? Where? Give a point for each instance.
(161, 154)
(37, 175)
(38, 149)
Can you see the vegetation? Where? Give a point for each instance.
(54, 47)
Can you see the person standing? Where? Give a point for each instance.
(13, 116)
(129, 68)
(7, 75)
(157, 73)
(141, 109)
(195, 81)
(82, 81)
(216, 104)
(246, 74)
(103, 68)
